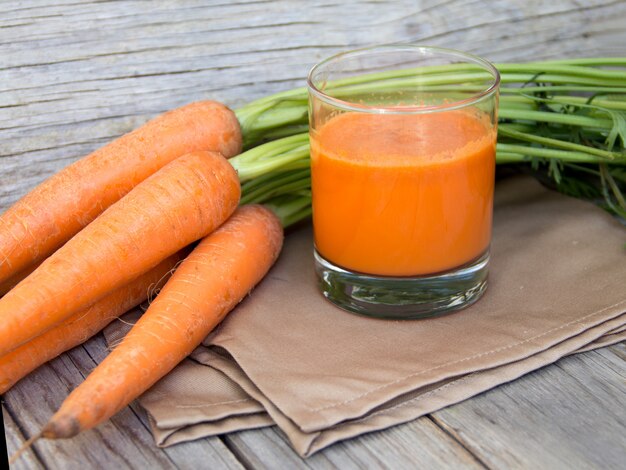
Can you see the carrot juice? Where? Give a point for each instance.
(403, 194)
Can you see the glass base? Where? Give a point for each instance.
(403, 297)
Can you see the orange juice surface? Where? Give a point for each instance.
(401, 194)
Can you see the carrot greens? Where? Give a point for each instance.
(562, 120)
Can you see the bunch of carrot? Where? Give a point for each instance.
(92, 241)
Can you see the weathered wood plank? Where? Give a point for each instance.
(262, 448)
(569, 415)
(14, 440)
(92, 71)
(418, 444)
(620, 351)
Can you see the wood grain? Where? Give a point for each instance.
(569, 415)
(418, 444)
(15, 439)
(75, 74)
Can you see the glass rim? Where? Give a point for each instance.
(347, 105)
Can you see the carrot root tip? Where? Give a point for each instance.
(27, 445)
(61, 427)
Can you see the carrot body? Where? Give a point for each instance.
(58, 208)
(216, 276)
(183, 202)
(81, 326)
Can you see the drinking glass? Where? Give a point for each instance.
(403, 142)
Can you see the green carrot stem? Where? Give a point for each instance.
(578, 101)
(504, 130)
(277, 190)
(559, 69)
(510, 157)
(285, 183)
(589, 61)
(290, 209)
(563, 155)
(557, 118)
(255, 169)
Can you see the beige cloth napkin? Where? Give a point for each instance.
(287, 356)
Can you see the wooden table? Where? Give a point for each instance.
(74, 74)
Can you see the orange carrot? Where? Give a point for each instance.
(183, 202)
(213, 279)
(58, 208)
(81, 326)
